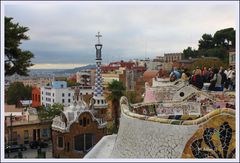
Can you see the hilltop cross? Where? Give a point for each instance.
(98, 36)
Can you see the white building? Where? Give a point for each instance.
(56, 93)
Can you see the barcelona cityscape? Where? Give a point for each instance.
(106, 80)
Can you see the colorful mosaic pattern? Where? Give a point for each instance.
(98, 90)
(214, 139)
(214, 136)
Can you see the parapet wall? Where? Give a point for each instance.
(146, 139)
(211, 136)
(140, 136)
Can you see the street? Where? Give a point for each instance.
(31, 153)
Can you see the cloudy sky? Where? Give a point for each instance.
(64, 33)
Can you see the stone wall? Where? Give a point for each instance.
(145, 139)
(141, 136)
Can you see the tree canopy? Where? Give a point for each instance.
(225, 38)
(17, 91)
(16, 60)
(213, 46)
(206, 42)
(189, 52)
(117, 91)
(117, 88)
(49, 112)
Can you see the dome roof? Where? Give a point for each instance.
(149, 74)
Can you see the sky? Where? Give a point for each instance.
(64, 33)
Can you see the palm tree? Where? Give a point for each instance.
(117, 91)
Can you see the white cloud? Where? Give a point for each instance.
(125, 28)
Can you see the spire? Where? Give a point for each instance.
(98, 36)
(99, 99)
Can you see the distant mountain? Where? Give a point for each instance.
(71, 71)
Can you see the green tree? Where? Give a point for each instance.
(206, 42)
(16, 60)
(49, 112)
(71, 83)
(117, 91)
(17, 91)
(218, 52)
(189, 52)
(131, 95)
(216, 46)
(225, 38)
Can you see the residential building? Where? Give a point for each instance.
(36, 97)
(35, 82)
(172, 57)
(85, 78)
(23, 126)
(57, 92)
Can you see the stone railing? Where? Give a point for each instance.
(166, 109)
(130, 110)
(141, 136)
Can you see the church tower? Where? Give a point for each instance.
(100, 105)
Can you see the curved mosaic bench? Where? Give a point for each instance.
(139, 136)
(125, 109)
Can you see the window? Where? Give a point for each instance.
(83, 142)
(68, 146)
(14, 138)
(81, 122)
(26, 136)
(45, 132)
(69, 100)
(79, 142)
(60, 141)
(69, 94)
(84, 122)
(88, 141)
(62, 94)
(53, 94)
(38, 98)
(63, 101)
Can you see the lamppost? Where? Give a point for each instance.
(10, 135)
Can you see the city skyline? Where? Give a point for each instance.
(129, 30)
